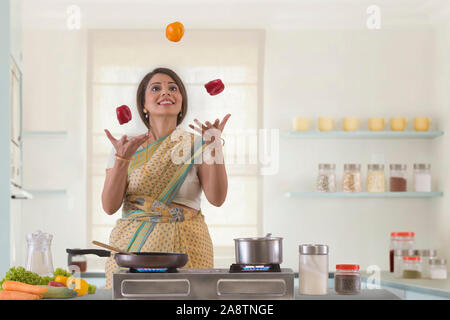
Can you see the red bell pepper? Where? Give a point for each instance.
(215, 87)
(123, 114)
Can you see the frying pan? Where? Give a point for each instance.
(139, 259)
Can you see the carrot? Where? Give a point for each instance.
(23, 287)
(17, 295)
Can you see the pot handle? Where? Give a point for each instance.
(97, 252)
(268, 235)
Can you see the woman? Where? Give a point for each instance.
(157, 178)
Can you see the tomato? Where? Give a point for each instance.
(175, 31)
(79, 285)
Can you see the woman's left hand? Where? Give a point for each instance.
(210, 136)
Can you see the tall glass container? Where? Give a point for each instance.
(422, 177)
(313, 269)
(398, 178)
(351, 179)
(326, 180)
(39, 254)
(375, 181)
(400, 241)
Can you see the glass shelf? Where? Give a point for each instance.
(364, 194)
(45, 134)
(48, 192)
(365, 134)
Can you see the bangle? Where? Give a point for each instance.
(123, 159)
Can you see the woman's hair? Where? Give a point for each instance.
(140, 97)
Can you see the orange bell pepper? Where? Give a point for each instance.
(175, 31)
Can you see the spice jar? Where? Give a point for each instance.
(398, 261)
(438, 268)
(375, 181)
(347, 279)
(412, 268)
(422, 177)
(351, 180)
(326, 180)
(313, 269)
(397, 180)
(425, 256)
(400, 241)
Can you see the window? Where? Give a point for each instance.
(118, 60)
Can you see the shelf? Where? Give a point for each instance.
(364, 194)
(45, 192)
(365, 134)
(51, 134)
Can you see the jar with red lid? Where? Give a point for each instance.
(412, 268)
(347, 279)
(400, 241)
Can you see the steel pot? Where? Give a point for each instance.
(261, 250)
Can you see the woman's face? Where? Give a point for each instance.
(162, 96)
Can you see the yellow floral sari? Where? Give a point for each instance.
(155, 175)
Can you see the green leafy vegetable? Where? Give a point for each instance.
(22, 275)
(91, 289)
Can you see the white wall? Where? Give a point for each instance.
(55, 100)
(441, 150)
(346, 73)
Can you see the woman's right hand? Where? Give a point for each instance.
(126, 148)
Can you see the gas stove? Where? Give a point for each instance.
(255, 282)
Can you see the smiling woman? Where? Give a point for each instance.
(160, 197)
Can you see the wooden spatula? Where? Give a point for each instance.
(106, 246)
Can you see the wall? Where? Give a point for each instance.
(5, 135)
(441, 54)
(354, 72)
(54, 123)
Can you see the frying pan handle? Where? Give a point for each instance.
(98, 252)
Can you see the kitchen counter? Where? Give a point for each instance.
(391, 289)
(376, 294)
(439, 288)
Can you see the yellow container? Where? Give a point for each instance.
(301, 123)
(351, 123)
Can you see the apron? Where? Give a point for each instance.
(155, 175)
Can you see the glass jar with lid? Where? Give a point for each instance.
(425, 257)
(347, 279)
(438, 268)
(412, 268)
(422, 177)
(351, 180)
(398, 178)
(326, 180)
(375, 181)
(39, 254)
(400, 241)
(313, 269)
(398, 261)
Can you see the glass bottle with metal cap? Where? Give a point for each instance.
(438, 268)
(313, 269)
(326, 180)
(398, 178)
(422, 177)
(375, 181)
(425, 256)
(351, 180)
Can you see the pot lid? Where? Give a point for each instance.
(267, 237)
